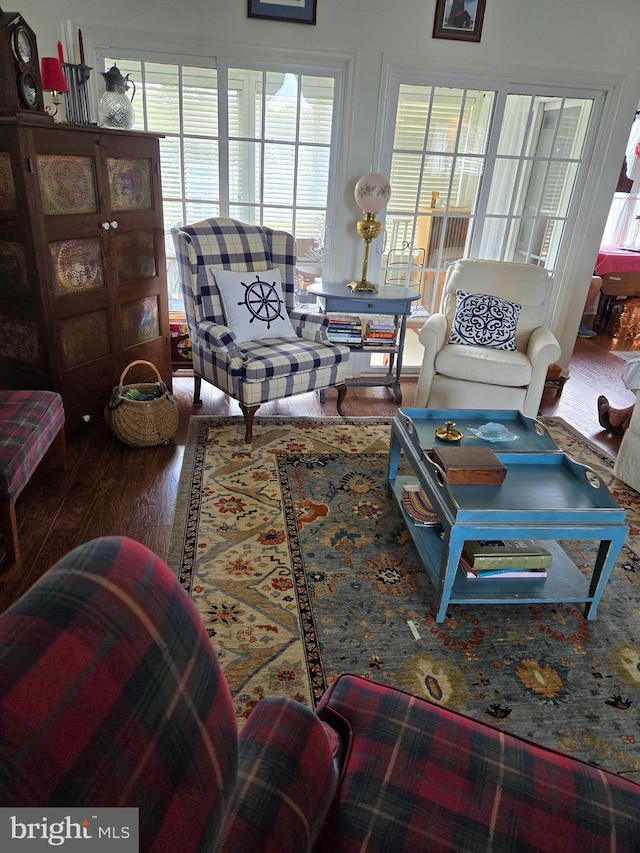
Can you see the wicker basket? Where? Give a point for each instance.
(142, 423)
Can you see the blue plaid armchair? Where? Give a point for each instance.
(251, 371)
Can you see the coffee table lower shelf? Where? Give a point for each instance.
(564, 582)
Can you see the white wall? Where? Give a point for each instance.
(590, 41)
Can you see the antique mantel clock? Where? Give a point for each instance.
(21, 89)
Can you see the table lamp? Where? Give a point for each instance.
(53, 81)
(372, 193)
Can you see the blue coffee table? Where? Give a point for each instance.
(545, 495)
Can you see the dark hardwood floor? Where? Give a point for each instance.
(109, 488)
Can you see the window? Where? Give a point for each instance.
(253, 144)
(542, 141)
(489, 172)
(438, 157)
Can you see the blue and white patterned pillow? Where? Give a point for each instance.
(253, 304)
(484, 321)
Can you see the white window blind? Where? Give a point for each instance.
(265, 158)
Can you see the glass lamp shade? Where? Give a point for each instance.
(53, 80)
(372, 192)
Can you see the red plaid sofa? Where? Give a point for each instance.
(111, 694)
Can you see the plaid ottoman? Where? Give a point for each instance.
(30, 422)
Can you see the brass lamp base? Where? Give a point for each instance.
(357, 286)
(368, 229)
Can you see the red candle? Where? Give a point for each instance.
(60, 53)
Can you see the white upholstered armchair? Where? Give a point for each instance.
(488, 353)
(247, 336)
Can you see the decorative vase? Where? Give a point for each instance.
(115, 108)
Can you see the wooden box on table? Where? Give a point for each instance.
(469, 465)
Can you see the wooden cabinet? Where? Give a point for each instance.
(82, 261)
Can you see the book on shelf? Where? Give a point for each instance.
(418, 506)
(345, 329)
(493, 554)
(380, 329)
(383, 340)
(336, 317)
(387, 344)
(349, 340)
(345, 320)
(380, 322)
(532, 574)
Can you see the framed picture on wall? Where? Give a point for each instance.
(459, 19)
(298, 11)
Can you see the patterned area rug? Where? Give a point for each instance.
(302, 568)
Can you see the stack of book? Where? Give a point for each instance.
(513, 558)
(345, 329)
(380, 333)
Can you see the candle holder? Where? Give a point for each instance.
(448, 433)
(77, 100)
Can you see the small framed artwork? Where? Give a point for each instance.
(459, 19)
(298, 11)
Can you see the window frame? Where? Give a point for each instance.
(103, 43)
(397, 73)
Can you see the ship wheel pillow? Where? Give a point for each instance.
(254, 304)
(484, 321)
